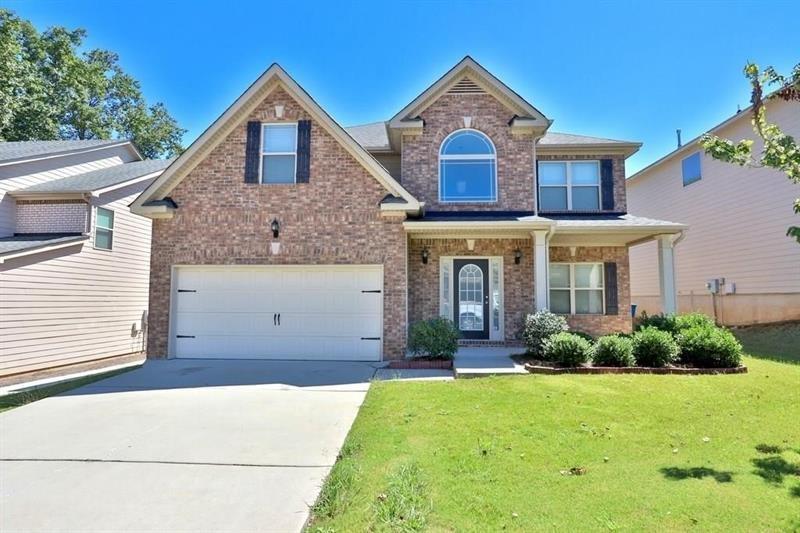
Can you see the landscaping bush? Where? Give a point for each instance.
(613, 350)
(660, 321)
(538, 327)
(709, 347)
(584, 335)
(436, 338)
(653, 347)
(567, 349)
(691, 320)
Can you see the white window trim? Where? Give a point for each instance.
(477, 157)
(569, 184)
(700, 161)
(262, 153)
(572, 287)
(446, 262)
(111, 229)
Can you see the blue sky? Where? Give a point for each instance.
(624, 70)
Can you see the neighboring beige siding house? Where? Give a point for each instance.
(738, 219)
(74, 260)
(279, 234)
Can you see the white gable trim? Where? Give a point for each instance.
(273, 78)
(469, 67)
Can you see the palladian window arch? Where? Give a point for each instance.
(467, 168)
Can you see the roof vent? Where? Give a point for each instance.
(466, 86)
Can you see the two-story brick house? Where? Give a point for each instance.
(280, 234)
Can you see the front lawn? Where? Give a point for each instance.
(635, 452)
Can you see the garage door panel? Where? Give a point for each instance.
(326, 312)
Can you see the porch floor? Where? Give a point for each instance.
(483, 361)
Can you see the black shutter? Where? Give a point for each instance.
(612, 303)
(536, 192)
(252, 152)
(303, 151)
(607, 183)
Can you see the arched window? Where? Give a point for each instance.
(467, 168)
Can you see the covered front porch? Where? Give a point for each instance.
(486, 272)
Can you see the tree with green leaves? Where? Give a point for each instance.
(780, 150)
(50, 90)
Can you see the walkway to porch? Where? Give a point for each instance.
(482, 361)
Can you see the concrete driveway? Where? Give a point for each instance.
(180, 445)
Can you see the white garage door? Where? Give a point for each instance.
(285, 312)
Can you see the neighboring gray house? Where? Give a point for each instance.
(74, 261)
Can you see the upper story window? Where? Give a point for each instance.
(690, 167)
(279, 153)
(103, 228)
(569, 185)
(467, 168)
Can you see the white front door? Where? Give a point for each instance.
(278, 312)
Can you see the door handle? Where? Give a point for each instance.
(274, 319)
(279, 319)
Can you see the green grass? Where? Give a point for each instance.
(16, 400)
(779, 343)
(632, 452)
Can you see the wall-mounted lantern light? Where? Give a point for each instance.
(517, 256)
(425, 254)
(276, 227)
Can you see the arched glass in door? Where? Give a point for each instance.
(470, 298)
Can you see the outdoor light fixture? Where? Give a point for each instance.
(517, 256)
(425, 254)
(276, 227)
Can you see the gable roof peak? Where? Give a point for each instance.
(485, 79)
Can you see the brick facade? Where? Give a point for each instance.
(420, 153)
(618, 162)
(518, 280)
(601, 324)
(333, 219)
(52, 216)
(423, 288)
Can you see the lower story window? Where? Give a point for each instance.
(576, 288)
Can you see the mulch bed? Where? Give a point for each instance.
(541, 369)
(442, 364)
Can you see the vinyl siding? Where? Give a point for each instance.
(78, 306)
(20, 176)
(737, 220)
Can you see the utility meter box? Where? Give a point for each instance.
(713, 286)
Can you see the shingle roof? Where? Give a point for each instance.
(611, 221)
(375, 136)
(556, 138)
(10, 151)
(99, 179)
(372, 136)
(19, 243)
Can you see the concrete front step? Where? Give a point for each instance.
(478, 362)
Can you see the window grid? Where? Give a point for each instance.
(453, 160)
(569, 186)
(572, 289)
(264, 153)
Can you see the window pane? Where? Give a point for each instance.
(588, 302)
(585, 198)
(105, 218)
(102, 238)
(280, 138)
(691, 168)
(495, 295)
(467, 142)
(468, 180)
(278, 169)
(588, 276)
(559, 276)
(585, 173)
(559, 302)
(553, 198)
(552, 173)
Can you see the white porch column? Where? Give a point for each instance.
(666, 274)
(541, 252)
